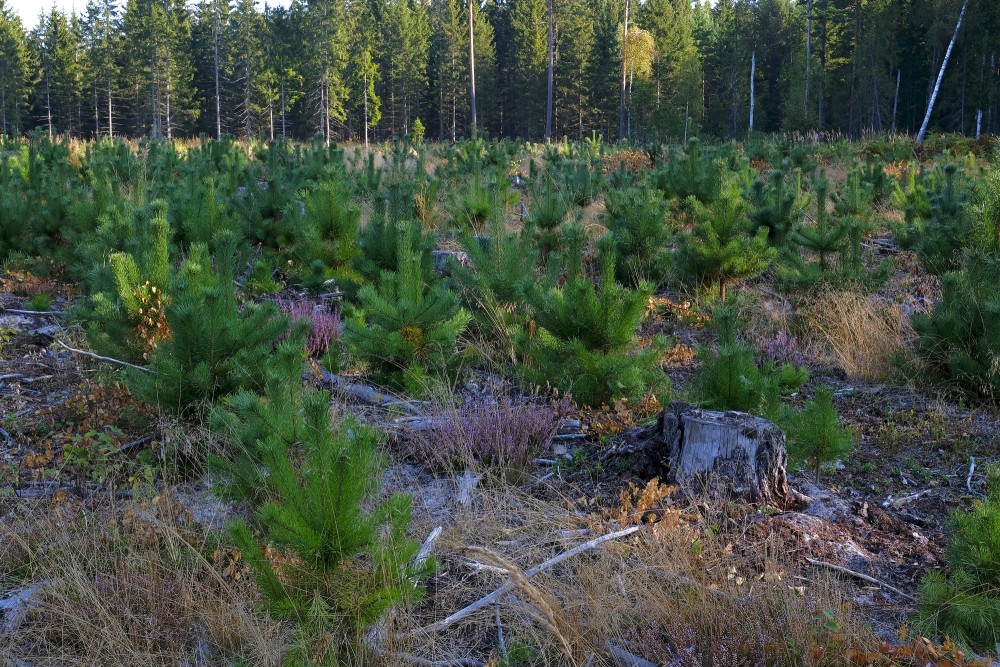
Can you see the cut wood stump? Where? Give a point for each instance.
(730, 454)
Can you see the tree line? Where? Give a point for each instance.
(370, 69)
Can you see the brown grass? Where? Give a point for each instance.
(676, 586)
(126, 587)
(858, 333)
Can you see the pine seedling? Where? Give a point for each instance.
(722, 249)
(325, 242)
(549, 209)
(939, 227)
(410, 327)
(958, 343)
(964, 603)
(346, 559)
(776, 206)
(583, 338)
(729, 377)
(825, 237)
(637, 220)
(814, 435)
(216, 347)
(128, 318)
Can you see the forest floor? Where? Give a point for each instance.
(74, 442)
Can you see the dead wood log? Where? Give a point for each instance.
(728, 453)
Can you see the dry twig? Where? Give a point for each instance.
(863, 577)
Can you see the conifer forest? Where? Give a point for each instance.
(512, 333)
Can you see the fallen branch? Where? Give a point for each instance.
(510, 585)
(369, 395)
(500, 638)
(34, 313)
(98, 357)
(863, 577)
(427, 547)
(135, 443)
(623, 657)
(972, 470)
(424, 662)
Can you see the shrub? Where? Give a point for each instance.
(324, 327)
(964, 604)
(814, 436)
(496, 433)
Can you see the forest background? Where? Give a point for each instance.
(368, 69)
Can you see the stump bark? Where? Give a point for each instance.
(728, 453)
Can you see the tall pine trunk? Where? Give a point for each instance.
(472, 70)
(548, 105)
(753, 73)
(937, 85)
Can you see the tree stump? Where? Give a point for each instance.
(728, 453)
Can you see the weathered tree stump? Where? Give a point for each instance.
(728, 453)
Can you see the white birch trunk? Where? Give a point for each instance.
(940, 76)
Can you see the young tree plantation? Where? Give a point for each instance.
(512, 333)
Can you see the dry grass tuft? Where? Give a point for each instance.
(126, 587)
(860, 334)
(678, 592)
